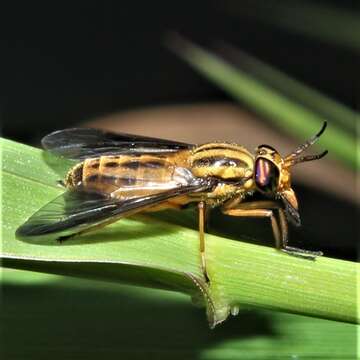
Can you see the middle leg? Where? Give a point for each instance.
(202, 222)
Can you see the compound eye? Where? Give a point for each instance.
(266, 175)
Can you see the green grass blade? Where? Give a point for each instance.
(150, 252)
(305, 95)
(285, 113)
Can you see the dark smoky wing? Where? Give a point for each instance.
(77, 210)
(82, 143)
(72, 210)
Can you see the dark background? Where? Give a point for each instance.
(65, 62)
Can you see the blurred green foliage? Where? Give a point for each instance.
(48, 316)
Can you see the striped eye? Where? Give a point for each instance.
(266, 176)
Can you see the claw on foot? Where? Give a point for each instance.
(305, 254)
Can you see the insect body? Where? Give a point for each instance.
(118, 175)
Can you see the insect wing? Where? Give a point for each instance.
(70, 210)
(77, 210)
(82, 143)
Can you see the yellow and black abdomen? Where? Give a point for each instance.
(127, 176)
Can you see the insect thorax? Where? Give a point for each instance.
(224, 161)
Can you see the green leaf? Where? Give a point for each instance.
(303, 94)
(153, 253)
(288, 115)
(97, 319)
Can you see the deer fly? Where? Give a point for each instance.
(118, 175)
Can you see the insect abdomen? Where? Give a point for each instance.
(127, 175)
(75, 176)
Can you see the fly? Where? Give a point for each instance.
(118, 175)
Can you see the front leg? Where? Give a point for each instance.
(265, 208)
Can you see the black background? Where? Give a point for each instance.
(65, 62)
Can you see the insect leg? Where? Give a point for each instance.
(293, 250)
(202, 220)
(284, 228)
(264, 208)
(243, 212)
